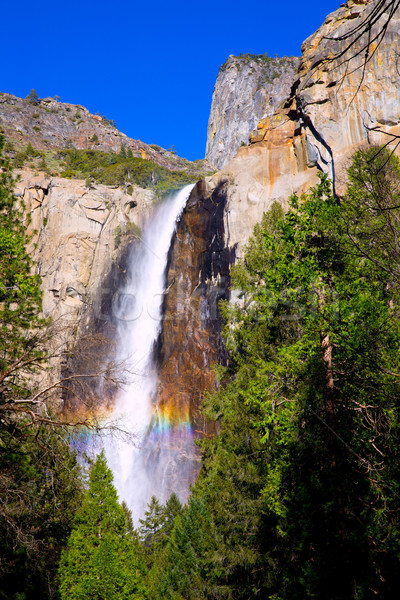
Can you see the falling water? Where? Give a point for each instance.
(143, 462)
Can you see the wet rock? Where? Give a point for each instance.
(190, 344)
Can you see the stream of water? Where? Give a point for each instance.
(142, 461)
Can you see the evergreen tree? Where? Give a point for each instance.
(156, 548)
(39, 483)
(185, 573)
(102, 559)
(30, 151)
(111, 157)
(32, 97)
(151, 525)
(172, 509)
(302, 483)
(122, 152)
(151, 530)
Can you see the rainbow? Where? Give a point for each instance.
(168, 419)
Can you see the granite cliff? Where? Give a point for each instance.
(248, 88)
(337, 102)
(77, 234)
(346, 94)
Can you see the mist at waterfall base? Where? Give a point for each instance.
(154, 453)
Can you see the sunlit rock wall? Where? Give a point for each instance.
(248, 88)
(339, 103)
(78, 236)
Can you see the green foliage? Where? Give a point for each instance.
(185, 575)
(301, 487)
(371, 217)
(20, 295)
(151, 525)
(42, 164)
(40, 490)
(32, 97)
(107, 121)
(39, 485)
(112, 169)
(172, 510)
(155, 529)
(24, 156)
(30, 151)
(103, 558)
(130, 230)
(9, 147)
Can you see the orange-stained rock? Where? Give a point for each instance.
(338, 104)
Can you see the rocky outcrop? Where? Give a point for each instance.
(50, 124)
(248, 88)
(317, 128)
(344, 98)
(77, 234)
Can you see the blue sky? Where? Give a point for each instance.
(149, 65)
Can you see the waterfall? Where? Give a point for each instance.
(144, 461)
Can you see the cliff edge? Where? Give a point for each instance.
(248, 88)
(346, 96)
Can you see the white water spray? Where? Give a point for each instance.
(139, 316)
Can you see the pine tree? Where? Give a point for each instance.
(172, 509)
(111, 157)
(187, 555)
(151, 525)
(122, 152)
(151, 530)
(32, 97)
(102, 559)
(20, 296)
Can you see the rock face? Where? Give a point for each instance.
(50, 124)
(198, 276)
(334, 108)
(338, 103)
(248, 88)
(77, 235)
